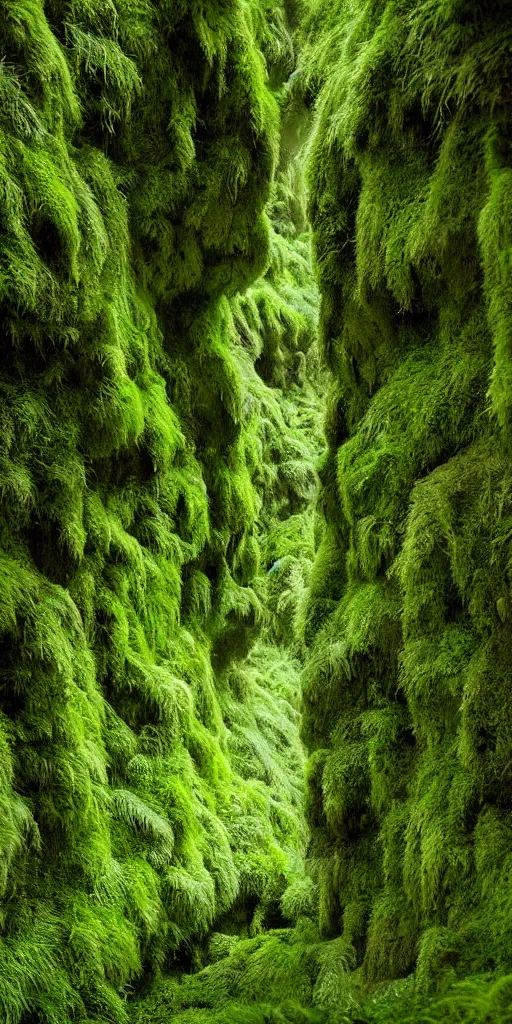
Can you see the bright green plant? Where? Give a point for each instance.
(166, 569)
(150, 779)
(407, 714)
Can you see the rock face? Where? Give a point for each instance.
(166, 572)
(407, 690)
(150, 776)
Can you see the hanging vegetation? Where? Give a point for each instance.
(180, 601)
(151, 780)
(407, 709)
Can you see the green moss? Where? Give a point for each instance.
(167, 572)
(151, 777)
(405, 699)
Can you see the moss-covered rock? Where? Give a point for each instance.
(151, 778)
(407, 713)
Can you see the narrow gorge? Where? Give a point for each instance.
(255, 512)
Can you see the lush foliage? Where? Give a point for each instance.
(151, 778)
(407, 688)
(166, 570)
(407, 620)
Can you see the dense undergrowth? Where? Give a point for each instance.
(170, 581)
(407, 688)
(154, 466)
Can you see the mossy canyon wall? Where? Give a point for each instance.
(407, 690)
(255, 713)
(151, 772)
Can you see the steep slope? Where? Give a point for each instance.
(164, 571)
(406, 689)
(151, 785)
(407, 703)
